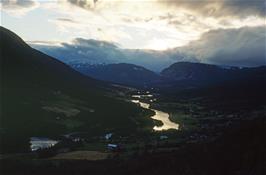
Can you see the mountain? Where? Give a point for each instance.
(184, 75)
(193, 71)
(89, 51)
(41, 96)
(178, 76)
(221, 88)
(122, 73)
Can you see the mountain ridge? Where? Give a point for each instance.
(179, 75)
(121, 73)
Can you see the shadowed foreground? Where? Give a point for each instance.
(239, 151)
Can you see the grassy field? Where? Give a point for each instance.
(186, 121)
(82, 155)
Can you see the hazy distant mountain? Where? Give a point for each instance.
(41, 96)
(127, 74)
(89, 51)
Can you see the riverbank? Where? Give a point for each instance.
(160, 116)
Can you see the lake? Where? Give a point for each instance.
(41, 143)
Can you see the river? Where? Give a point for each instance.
(159, 115)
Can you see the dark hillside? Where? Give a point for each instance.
(41, 96)
(186, 75)
(122, 73)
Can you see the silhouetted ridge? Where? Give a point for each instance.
(38, 92)
(122, 73)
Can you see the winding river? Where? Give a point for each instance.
(159, 115)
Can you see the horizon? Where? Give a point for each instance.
(230, 33)
(193, 62)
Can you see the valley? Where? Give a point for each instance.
(125, 119)
(199, 126)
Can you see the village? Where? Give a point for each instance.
(196, 125)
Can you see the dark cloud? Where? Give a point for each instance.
(82, 51)
(220, 8)
(238, 47)
(18, 3)
(86, 4)
(13, 5)
(241, 8)
(185, 20)
(93, 43)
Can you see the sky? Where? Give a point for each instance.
(139, 24)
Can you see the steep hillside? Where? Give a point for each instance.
(41, 96)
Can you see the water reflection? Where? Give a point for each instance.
(141, 96)
(159, 115)
(41, 143)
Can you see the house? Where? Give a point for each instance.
(113, 147)
(108, 136)
(76, 139)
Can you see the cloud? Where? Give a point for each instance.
(86, 4)
(44, 43)
(81, 50)
(210, 31)
(233, 47)
(80, 42)
(18, 7)
(125, 21)
(215, 8)
(98, 52)
(219, 8)
(237, 47)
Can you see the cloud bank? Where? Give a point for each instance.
(220, 8)
(232, 47)
(101, 52)
(237, 47)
